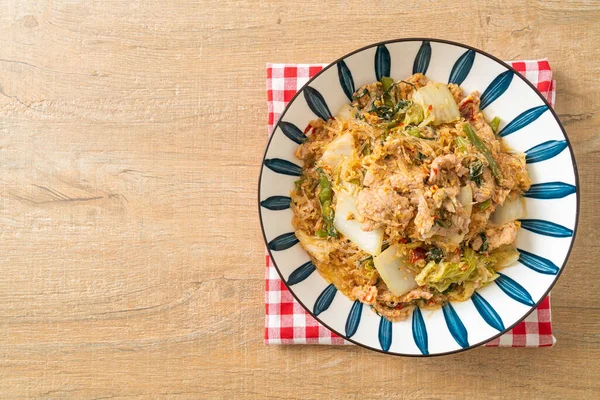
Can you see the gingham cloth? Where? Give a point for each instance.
(286, 321)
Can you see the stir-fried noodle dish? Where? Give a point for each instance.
(408, 198)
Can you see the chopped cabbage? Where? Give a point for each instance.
(369, 242)
(472, 268)
(414, 115)
(441, 276)
(511, 210)
(346, 113)
(504, 256)
(393, 271)
(336, 151)
(318, 248)
(438, 102)
(465, 197)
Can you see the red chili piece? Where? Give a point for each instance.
(417, 254)
(307, 129)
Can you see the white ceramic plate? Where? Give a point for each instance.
(544, 240)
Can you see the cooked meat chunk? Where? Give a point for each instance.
(501, 235)
(382, 205)
(405, 181)
(448, 163)
(424, 219)
(457, 92)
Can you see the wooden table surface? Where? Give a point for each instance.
(131, 136)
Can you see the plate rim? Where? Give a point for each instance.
(536, 91)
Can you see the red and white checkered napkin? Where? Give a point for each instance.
(286, 321)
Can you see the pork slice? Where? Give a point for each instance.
(448, 162)
(383, 206)
(500, 235)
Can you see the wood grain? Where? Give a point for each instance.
(131, 134)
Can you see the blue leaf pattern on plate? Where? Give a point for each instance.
(354, 318)
(522, 120)
(383, 62)
(346, 80)
(301, 273)
(455, 325)
(292, 132)
(385, 334)
(316, 103)
(421, 62)
(546, 228)
(419, 331)
(276, 203)
(514, 290)
(537, 263)
(283, 242)
(487, 312)
(462, 67)
(283, 167)
(545, 151)
(496, 89)
(550, 190)
(324, 300)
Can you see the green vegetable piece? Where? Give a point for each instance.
(495, 124)
(482, 148)
(441, 275)
(435, 254)
(461, 143)
(411, 84)
(385, 245)
(360, 262)
(360, 95)
(401, 105)
(485, 246)
(387, 82)
(476, 172)
(482, 206)
(414, 132)
(443, 223)
(321, 233)
(414, 115)
(325, 197)
(366, 150)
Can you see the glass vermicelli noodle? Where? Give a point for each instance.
(408, 197)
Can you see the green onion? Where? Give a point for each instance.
(479, 145)
(495, 124)
(485, 204)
